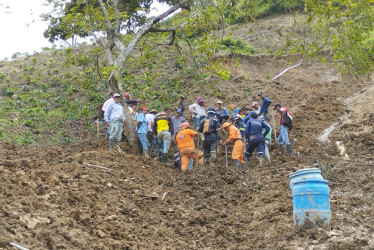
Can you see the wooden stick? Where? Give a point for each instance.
(97, 166)
(274, 129)
(18, 246)
(97, 128)
(197, 151)
(284, 71)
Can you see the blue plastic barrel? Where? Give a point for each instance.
(311, 203)
(304, 174)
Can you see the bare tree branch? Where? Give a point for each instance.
(105, 11)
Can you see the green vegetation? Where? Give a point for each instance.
(45, 98)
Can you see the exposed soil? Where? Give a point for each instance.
(51, 200)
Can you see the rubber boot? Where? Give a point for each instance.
(213, 157)
(237, 163)
(262, 161)
(268, 158)
(157, 155)
(289, 149)
(110, 144)
(164, 157)
(281, 149)
(145, 152)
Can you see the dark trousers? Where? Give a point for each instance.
(255, 141)
(209, 144)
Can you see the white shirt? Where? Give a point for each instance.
(107, 103)
(150, 119)
(196, 108)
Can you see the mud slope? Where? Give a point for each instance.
(51, 200)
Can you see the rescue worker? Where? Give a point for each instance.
(198, 111)
(186, 146)
(236, 138)
(285, 127)
(142, 129)
(264, 106)
(114, 118)
(239, 124)
(255, 137)
(222, 113)
(163, 129)
(211, 129)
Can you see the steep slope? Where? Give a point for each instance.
(51, 199)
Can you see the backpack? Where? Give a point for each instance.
(287, 121)
(208, 125)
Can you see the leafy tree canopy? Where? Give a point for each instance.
(72, 17)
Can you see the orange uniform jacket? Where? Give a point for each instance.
(238, 150)
(185, 138)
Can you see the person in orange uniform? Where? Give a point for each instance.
(234, 136)
(186, 146)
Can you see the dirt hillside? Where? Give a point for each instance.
(54, 198)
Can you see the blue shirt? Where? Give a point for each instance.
(248, 116)
(177, 123)
(113, 112)
(255, 126)
(142, 129)
(265, 103)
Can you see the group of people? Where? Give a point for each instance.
(248, 129)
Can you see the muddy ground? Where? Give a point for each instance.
(51, 199)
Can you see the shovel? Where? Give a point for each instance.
(227, 164)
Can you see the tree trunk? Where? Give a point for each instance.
(124, 53)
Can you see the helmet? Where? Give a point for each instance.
(211, 110)
(237, 117)
(185, 125)
(225, 125)
(200, 100)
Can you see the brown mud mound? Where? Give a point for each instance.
(51, 200)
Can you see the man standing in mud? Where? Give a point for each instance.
(211, 127)
(264, 106)
(163, 129)
(114, 118)
(255, 137)
(285, 127)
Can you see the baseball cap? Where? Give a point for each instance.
(277, 105)
(178, 110)
(116, 95)
(144, 108)
(153, 111)
(126, 95)
(219, 102)
(254, 104)
(260, 93)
